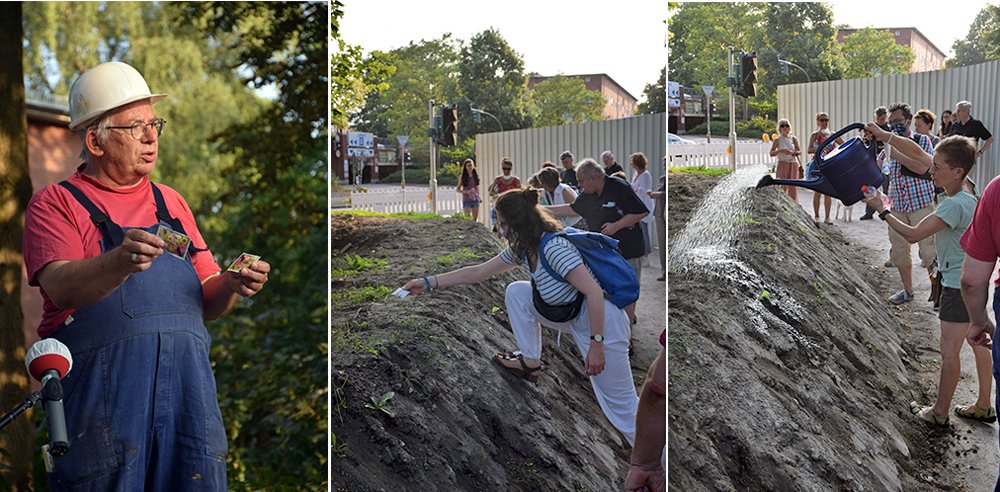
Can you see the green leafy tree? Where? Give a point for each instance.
(872, 53)
(422, 71)
(491, 78)
(353, 77)
(271, 358)
(700, 34)
(16, 441)
(656, 96)
(562, 100)
(982, 43)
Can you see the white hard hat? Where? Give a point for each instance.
(103, 88)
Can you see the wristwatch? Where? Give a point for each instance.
(597, 338)
(883, 214)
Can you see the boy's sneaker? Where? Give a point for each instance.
(901, 297)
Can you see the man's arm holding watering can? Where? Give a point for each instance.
(913, 157)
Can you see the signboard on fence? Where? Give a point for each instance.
(361, 139)
(361, 152)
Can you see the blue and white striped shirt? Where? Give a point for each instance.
(562, 256)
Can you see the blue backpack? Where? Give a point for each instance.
(600, 252)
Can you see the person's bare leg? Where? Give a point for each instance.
(952, 336)
(906, 277)
(816, 199)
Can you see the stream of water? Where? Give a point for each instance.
(711, 233)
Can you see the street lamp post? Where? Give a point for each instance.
(479, 111)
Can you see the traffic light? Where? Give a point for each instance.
(748, 84)
(784, 67)
(449, 125)
(711, 107)
(407, 157)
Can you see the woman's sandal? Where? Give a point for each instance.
(988, 415)
(924, 412)
(524, 372)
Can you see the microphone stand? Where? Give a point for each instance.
(28, 402)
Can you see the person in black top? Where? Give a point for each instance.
(970, 127)
(610, 166)
(568, 174)
(610, 207)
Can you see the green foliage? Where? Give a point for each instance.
(397, 215)
(447, 175)
(459, 153)
(656, 96)
(753, 128)
(982, 43)
(700, 170)
(802, 32)
(872, 53)
(357, 264)
(382, 403)
(561, 100)
(491, 77)
(270, 353)
(452, 258)
(421, 72)
(352, 297)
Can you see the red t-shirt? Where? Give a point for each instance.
(57, 227)
(981, 240)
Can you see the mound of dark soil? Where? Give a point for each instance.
(457, 421)
(786, 371)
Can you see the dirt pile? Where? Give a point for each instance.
(786, 370)
(454, 421)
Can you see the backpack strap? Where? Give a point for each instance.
(541, 254)
(110, 230)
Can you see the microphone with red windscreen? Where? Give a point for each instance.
(48, 361)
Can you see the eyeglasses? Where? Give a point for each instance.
(506, 168)
(139, 128)
(824, 120)
(783, 126)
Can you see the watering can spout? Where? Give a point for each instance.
(766, 180)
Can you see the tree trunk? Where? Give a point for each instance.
(15, 191)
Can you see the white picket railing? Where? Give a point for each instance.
(410, 200)
(715, 155)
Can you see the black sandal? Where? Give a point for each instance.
(524, 372)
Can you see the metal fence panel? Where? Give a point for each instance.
(849, 101)
(529, 148)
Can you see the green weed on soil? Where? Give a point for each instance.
(702, 170)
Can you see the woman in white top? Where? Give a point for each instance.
(786, 148)
(600, 329)
(557, 193)
(642, 182)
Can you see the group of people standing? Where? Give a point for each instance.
(932, 202)
(591, 196)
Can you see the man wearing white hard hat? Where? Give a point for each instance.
(141, 407)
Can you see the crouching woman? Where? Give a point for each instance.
(600, 328)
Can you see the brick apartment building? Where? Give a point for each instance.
(927, 56)
(619, 102)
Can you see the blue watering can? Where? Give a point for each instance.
(843, 173)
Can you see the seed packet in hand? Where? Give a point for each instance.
(175, 243)
(244, 261)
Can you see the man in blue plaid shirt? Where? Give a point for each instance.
(912, 199)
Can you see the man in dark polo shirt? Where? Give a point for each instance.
(970, 127)
(610, 207)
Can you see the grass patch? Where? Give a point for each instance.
(701, 170)
(460, 255)
(397, 215)
(351, 297)
(357, 264)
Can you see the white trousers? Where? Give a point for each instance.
(613, 387)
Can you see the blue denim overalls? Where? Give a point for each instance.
(141, 407)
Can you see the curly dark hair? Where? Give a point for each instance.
(524, 220)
